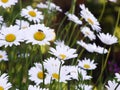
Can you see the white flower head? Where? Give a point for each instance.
(112, 85)
(107, 38)
(88, 33)
(32, 14)
(22, 24)
(31, 87)
(90, 18)
(4, 84)
(39, 34)
(63, 51)
(87, 64)
(73, 18)
(7, 3)
(3, 56)
(117, 76)
(10, 36)
(113, 1)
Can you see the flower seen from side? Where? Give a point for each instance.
(3, 56)
(117, 76)
(32, 14)
(63, 52)
(7, 3)
(4, 83)
(31, 87)
(87, 64)
(90, 18)
(107, 39)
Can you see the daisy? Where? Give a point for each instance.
(101, 50)
(36, 73)
(73, 18)
(31, 87)
(88, 33)
(112, 85)
(107, 38)
(39, 34)
(85, 87)
(10, 36)
(87, 64)
(63, 52)
(113, 1)
(90, 18)
(52, 66)
(7, 3)
(117, 76)
(1, 19)
(3, 56)
(22, 24)
(4, 84)
(32, 14)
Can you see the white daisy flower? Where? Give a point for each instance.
(39, 34)
(117, 76)
(1, 19)
(31, 87)
(7, 3)
(107, 38)
(85, 87)
(73, 18)
(83, 74)
(88, 33)
(113, 1)
(36, 73)
(32, 14)
(4, 84)
(10, 36)
(42, 5)
(22, 24)
(63, 52)
(101, 50)
(87, 64)
(112, 85)
(52, 66)
(3, 56)
(90, 18)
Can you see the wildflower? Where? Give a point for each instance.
(87, 64)
(73, 18)
(107, 38)
(90, 18)
(32, 14)
(52, 66)
(36, 73)
(117, 76)
(39, 34)
(88, 33)
(112, 85)
(63, 52)
(101, 50)
(10, 36)
(22, 24)
(50, 6)
(7, 3)
(3, 56)
(113, 1)
(31, 87)
(85, 87)
(4, 84)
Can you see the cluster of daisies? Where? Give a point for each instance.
(54, 68)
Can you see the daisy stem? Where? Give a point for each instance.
(103, 10)
(104, 66)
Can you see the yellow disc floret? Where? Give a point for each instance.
(62, 56)
(4, 1)
(1, 88)
(86, 66)
(55, 76)
(40, 75)
(32, 13)
(10, 37)
(39, 36)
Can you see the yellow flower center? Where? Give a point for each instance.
(1, 56)
(87, 66)
(10, 37)
(90, 21)
(1, 88)
(39, 36)
(4, 1)
(55, 76)
(40, 75)
(32, 13)
(62, 56)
